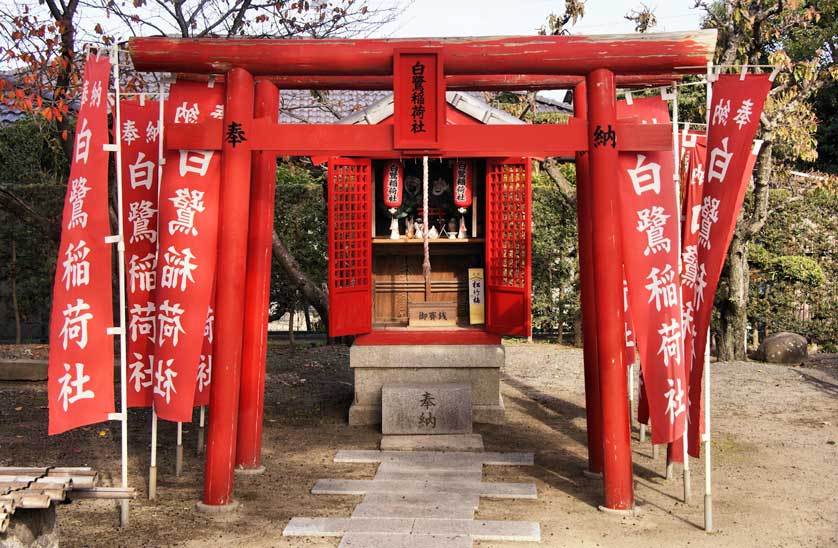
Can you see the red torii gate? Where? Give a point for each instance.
(593, 64)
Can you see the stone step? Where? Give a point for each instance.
(366, 540)
(483, 489)
(432, 408)
(433, 442)
(421, 498)
(442, 509)
(434, 457)
(497, 531)
(430, 475)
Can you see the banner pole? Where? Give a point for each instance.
(631, 392)
(152, 468)
(161, 160)
(179, 451)
(120, 246)
(200, 448)
(708, 495)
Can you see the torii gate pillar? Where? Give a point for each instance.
(593, 410)
(257, 293)
(229, 310)
(603, 146)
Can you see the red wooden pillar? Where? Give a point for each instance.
(593, 409)
(229, 313)
(257, 292)
(607, 261)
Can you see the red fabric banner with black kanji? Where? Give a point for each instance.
(81, 352)
(187, 252)
(734, 119)
(140, 139)
(650, 222)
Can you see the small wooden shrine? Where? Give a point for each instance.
(477, 286)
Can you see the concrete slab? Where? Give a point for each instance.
(426, 408)
(499, 531)
(362, 487)
(337, 527)
(442, 509)
(431, 475)
(362, 540)
(443, 442)
(425, 457)
(421, 498)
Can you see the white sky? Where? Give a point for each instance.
(508, 17)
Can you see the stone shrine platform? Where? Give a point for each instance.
(475, 365)
(421, 499)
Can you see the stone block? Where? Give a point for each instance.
(23, 370)
(427, 356)
(444, 442)
(426, 408)
(484, 382)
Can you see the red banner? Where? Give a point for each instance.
(650, 218)
(734, 118)
(186, 258)
(140, 136)
(81, 357)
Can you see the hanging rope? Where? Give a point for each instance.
(426, 262)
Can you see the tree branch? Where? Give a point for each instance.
(566, 189)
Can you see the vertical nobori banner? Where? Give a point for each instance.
(81, 357)
(187, 252)
(650, 217)
(694, 146)
(734, 119)
(140, 134)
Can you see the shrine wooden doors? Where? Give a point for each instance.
(350, 246)
(509, 246)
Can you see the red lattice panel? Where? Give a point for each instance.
(350, 246)
(507, 237)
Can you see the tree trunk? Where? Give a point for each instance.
(291, 317)
(307, 317)
(311, 293)
(15, 304)
(733, 311)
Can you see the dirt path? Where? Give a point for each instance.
(775, 460)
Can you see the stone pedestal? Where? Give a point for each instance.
(475, 365)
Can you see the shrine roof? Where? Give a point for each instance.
(348, 106)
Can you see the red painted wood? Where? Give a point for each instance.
(605, 212)
(418, 121)
(376, 141)
(350, 246)
(257, 290)
(229, 311)
(456, 82)
(566, 55)
(452, 337)
(509, 246)
(593, 409)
